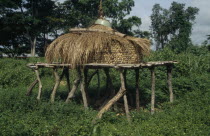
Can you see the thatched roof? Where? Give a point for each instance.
(80, 46)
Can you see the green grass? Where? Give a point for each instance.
(188, 115)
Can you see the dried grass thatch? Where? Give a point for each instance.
(97, 44)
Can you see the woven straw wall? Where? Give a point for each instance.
(117, 55)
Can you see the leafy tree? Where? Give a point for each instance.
(29, 20)
(26, 24)
(126, 25)
(83, 13)
(11, 29)
(172, 27)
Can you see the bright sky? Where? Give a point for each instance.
(201, 28)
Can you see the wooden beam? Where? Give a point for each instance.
(99, 65)
(137, 90)
(120, 93)
(169, 80)
(153, 90)
(40, 84)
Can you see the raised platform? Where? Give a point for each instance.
(83, 80)
(98, 65)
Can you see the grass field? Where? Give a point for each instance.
(188, 115)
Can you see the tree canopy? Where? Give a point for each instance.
(27, 24)
(172, 27)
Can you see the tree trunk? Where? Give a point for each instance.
(33, 46)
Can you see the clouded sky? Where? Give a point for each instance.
(201, 28)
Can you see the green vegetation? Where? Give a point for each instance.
(188, 115)
(27, 25)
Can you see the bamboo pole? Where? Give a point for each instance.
(153, 90)
(137, 90)
(75, 86)
(169, 80)
(40, 84)
(120, 93)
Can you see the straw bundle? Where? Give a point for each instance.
(84, 47)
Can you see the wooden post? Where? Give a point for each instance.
(109, 84)
(126, 108)
(57, 82)
(40, 84)
(124, 74)
(125, 97)
(90, 77)
(98, 87)
(152, 89)
(29, 91)
(169, 78)
(67, 78)
(110, 91)
(137, 90)
(83, 88)
(75, 86)
(121, 92)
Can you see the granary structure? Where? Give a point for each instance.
(99, 47)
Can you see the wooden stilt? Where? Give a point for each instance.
(124, 74)
(90, 77)
(67, 78)
(83, 89)
(75, 86)
(153, 90)
(40, 84)
(29, 91)
(169, 80)
(137, 90)
(126, 108)
(121, 92)
(98, 87)
(57, 82)
(109, 84)
(125, 97)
